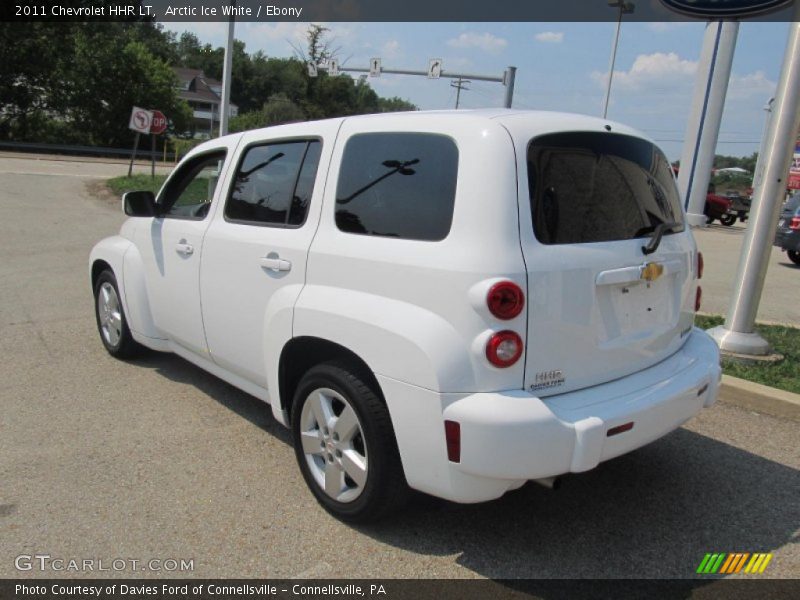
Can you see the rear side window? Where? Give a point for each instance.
(274, 183)
(400, 185)
(599, 187)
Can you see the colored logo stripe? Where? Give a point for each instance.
(711, 563)
(758, 563)
(723, 563)
(734, 563)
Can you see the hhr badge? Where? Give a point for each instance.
(651, 271)
(548, 379)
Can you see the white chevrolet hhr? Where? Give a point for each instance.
(454, 302)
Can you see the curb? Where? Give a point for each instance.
(759, 398)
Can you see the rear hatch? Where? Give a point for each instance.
(601, 304)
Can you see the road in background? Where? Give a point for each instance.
(157, 459)
(721, 247)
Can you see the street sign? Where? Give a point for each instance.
(158, 123)
(723, 9)
(375, 67)
(794, 170)
(333, 67)
(435, 68)
(140, 120)
(312, 69)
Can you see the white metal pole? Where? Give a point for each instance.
(737, 334)
(225, 104)
(702, 129)
(758, 172)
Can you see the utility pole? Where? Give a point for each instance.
(225, 104)
(738, 334)
(459, 84)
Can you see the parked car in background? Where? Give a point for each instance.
(717, 207)
(739, 209)
(787, 237)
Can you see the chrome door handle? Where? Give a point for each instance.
(184, 248)
(273, 263)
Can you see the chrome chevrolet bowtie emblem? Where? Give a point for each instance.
(651, 271)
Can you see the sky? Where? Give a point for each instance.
(560, 66)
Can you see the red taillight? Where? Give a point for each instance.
(452, 434)
(700, 265)
(504, 349)
(698, 297)
(505, 300)
(795, 224)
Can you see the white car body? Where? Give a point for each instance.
(414, 312)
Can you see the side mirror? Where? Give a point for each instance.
(139, 204)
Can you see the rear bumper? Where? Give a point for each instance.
(510, 437)
(787, 240)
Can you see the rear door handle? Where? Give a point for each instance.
(273, 263)
(183, 248)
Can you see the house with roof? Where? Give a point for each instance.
(204, 96)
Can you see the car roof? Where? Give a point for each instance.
(522, 125)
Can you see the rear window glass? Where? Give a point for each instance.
(400, 185)
(599, 187)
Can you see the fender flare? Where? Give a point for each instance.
(125, 261)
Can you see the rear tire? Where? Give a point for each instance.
(794, 256)
(111, 321)
(727, 220)
(345, 444)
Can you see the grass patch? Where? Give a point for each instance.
(135, 183)
(784, 375)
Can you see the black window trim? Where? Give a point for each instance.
(390, 237)
(223, 151)
(303, 138)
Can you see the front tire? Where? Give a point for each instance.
(794, 256)
(728, 220)
(345, 444)
(111, 321)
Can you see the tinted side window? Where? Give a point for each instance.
(397, 185)
(274, 183)
(599, 187)
(189, 192)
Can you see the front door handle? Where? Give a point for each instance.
(273, 263)
(183, 248)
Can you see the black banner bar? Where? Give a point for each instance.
(394, 589)
(355, 10)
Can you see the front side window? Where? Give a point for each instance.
(189, 193)
(274, 183)
(599, 187)
(400, 185)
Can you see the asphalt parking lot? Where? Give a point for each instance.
(155, 459)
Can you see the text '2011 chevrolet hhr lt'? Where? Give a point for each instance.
(451, 302)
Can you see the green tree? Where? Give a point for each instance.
(106, 81)
(278, 109)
